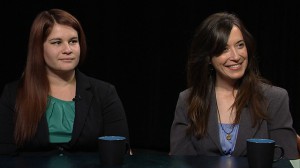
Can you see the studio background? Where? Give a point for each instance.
(141, 47)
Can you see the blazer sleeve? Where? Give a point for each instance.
(114, 114)
(280, 125)
(7, 145)
(180, 143)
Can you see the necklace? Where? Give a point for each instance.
(228, 134)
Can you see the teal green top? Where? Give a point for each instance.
(60, 116)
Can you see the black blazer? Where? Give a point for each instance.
(98, 111)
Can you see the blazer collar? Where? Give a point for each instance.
(245, 128)
(83, 101)
(213, 124)
(245, 131)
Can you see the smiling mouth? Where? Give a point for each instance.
(235, 66)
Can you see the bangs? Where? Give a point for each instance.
(220, 37)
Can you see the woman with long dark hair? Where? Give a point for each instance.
(227, 100)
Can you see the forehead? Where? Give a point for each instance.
(62, 31)
(235, 35)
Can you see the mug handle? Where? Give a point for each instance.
(281, 153)
(128, 148)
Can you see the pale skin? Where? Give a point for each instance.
(62, 54)
(229, 66)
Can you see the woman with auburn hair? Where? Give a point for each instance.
(54, 106)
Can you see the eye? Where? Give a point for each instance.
(55, 42)
(241, 44)
(73, 41)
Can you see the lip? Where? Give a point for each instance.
(66, 59)
(234, 66)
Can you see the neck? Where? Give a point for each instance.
(223, 91)
(61, 79)
(226, 85)
(62, 86)
(225, 99)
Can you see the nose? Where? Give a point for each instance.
(67, 49)
(234, 55)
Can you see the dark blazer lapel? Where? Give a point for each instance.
(245, 131)
(213, 127)
(42, 133)
(83, 100)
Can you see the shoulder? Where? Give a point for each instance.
(273, 91)
(99, 83)
(185, 93)
(183, 97)
(88, 81)
(11, 86)
(9, 93)
(83, 78)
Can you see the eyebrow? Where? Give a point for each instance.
(240, 41)
(57, 38)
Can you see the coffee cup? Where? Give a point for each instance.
(260, 153)
(112, 150)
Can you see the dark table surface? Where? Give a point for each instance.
(140, 159)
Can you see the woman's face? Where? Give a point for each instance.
(61, 49)
(232, 63)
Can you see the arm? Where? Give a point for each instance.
(115, 121)
(280, 123)
(114, 117)
(180, 143)
(7, 100)
(298, 145)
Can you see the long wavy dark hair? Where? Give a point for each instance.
(34, 86)
(209, 40)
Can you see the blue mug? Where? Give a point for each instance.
(260, 152)
(112, 150)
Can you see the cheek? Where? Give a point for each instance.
(48, 60)
(76, 50)
(48, 52)
(47, 56)
(216, 62)
(243, 53)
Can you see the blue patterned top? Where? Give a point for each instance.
(228, 145)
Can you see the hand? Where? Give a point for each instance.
(298, 144)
